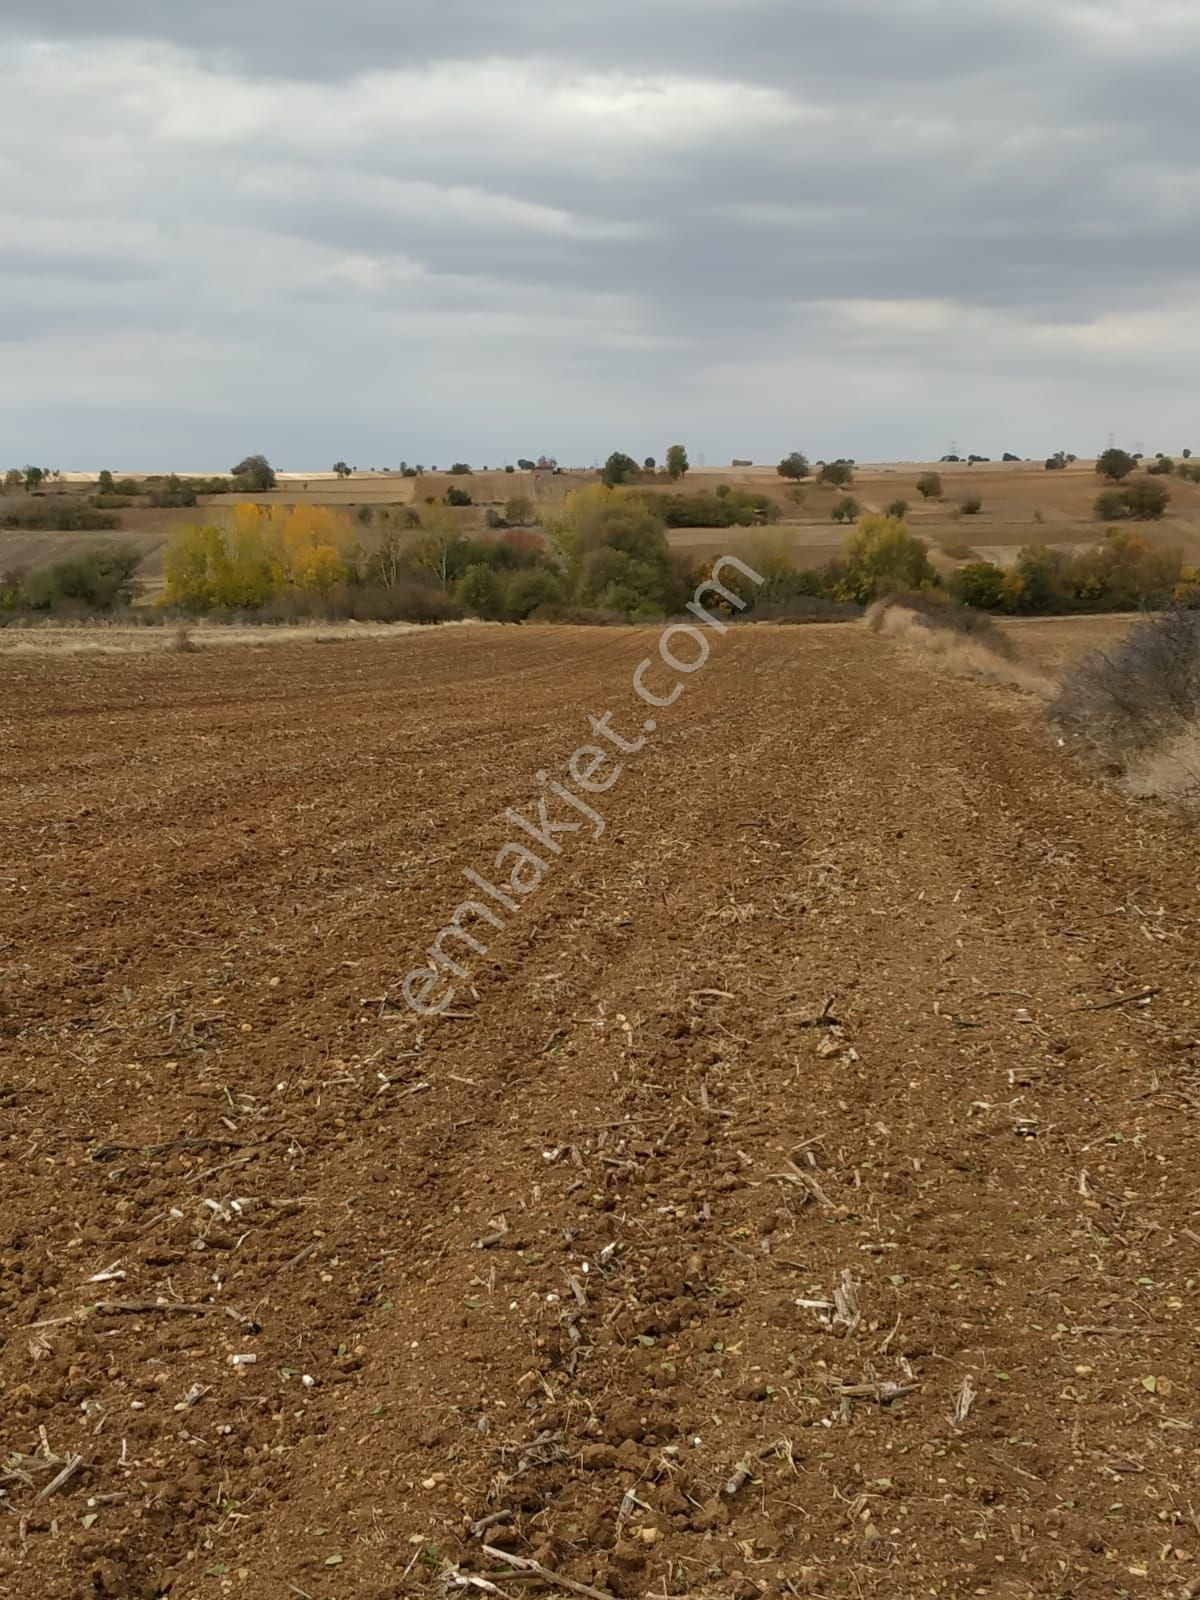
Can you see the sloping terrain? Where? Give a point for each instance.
(801, 1198)
(28, 550)
(1022, 504)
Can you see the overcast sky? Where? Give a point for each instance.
(429, 229)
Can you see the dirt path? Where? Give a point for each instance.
(777, 1208)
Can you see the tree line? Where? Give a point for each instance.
(605, 554)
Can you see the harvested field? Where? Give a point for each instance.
(801, 1198)
(1051, 643)
(1022, 505)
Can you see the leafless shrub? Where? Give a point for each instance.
(1131, 709)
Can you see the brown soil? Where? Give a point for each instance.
(812, 1100)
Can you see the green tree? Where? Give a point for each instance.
(1123, 573)
(532, 589)
(619, 468)
(173, 491)
(1115, 464)
(971, 506)
(520, 511)
(106, 485)
(677, 462)
(618, 554)
(342, 470)
(98, 579)
(846, 509)
(1041, 579)
(980, 585)
(1146, 500)
(34, 477)
(457, 497)
(898, 509)
(615, 580)
(255, 475)
(479, 593)
(794, 466)
(839, 473)
(884, 556)
(929, 486)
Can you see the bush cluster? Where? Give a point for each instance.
(1141, 501)
(881, 557)
(93, 581)
(62, 512)
(172, 491)
(1122, 574)
(126, 488)
(734, 508)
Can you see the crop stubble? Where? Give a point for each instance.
(780, 1210)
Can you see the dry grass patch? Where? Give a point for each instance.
(98, 639)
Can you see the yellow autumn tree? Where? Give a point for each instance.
(264, 551)
(212, 568)
(313, 546)
(190, 562)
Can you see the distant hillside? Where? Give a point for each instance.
(1021, 504)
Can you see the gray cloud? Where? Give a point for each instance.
(484, 228)
(906, 41)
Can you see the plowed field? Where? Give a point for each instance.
(801, 1196)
